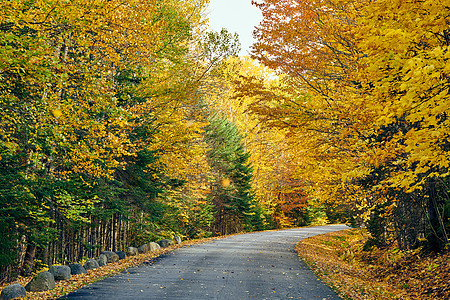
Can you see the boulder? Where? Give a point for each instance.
(165, 243)
(102, 260)
(112, 256)
(143, 249)
(132, 251)
(43, 281)
(91, 264)
(153, 246)
(77, 269)
(121, 254)
(177, 240)
(60, 272)
(13, 291)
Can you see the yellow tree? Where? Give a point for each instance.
(366, 97)
(318, 102)
(273, 162)
(70, 116)
(405, 76)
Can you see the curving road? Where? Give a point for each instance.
(261, 265)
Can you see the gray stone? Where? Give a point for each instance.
(112, 256)
(121, 254)
(91, 264)
(153, 246)
(77, 269)
(143, 249)
(165, 243)
(177, 240)
(43, 281)
(60, 272)
(13, 291)
(102, 260)
(132, 251)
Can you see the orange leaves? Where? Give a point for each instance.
(366, 88)
(249, 96)
(310, 41)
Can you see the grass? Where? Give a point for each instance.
(338, 259)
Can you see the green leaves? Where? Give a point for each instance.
(220, 45)
(232, 193)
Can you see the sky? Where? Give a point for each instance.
(236, 16)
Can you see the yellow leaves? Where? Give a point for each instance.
(382, 274)
(410, 83)
(57, 113)
(385, 105)
(226, 182)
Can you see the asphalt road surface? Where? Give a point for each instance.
(261, 265)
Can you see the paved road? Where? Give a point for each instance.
(260, 265)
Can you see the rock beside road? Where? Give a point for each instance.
(43, 281)
(132, 251)
(165, 243)
(121, 254)
(102, 260)
(13, 291)
(112, 256)
(153, 246)
(91, 264)
(143, 249)
(77, 269)
(60, 272)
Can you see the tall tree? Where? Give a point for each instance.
(231, 190)
(405, 76)
(365, 97)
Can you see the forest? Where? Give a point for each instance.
(123, 122)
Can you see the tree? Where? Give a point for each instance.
(365, 97)
(231, 190)
(406, 81)
(82, 85)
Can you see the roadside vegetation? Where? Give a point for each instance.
(340, 260)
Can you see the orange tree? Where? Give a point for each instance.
(364, 102)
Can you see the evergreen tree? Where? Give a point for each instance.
(234, 201)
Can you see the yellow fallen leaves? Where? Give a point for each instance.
(77, 281)
(338, 259)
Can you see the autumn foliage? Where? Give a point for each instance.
(339, 260)
(103, 128)
(122, 122)
(363, 99)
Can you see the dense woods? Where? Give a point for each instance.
(104, 139)
(122, 122)
(364, 98)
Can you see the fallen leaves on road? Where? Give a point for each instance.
(380, 274)
(75, 282)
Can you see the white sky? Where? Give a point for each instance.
(236, 16)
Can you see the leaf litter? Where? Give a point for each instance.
(339, 260)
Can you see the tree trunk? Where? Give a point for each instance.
(439, 237)
(28, 262)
